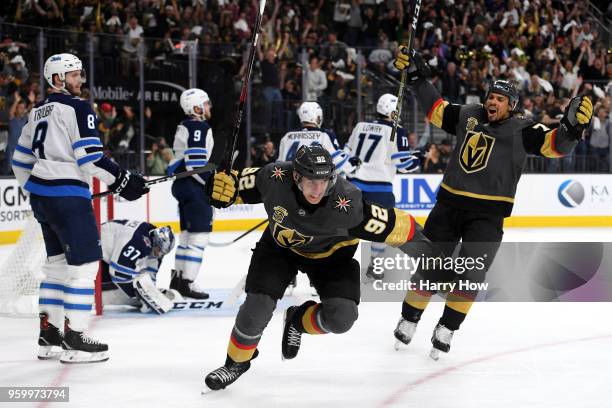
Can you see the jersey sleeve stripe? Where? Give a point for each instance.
(123, 269)
(549, 148)
(86, 141)
(336, 153)
(196, 150)
(195, 162)
(400, 155)
(24, 150)
(22, 165)
(149, 269)
(436, 113)
(405, 164)
(89, 158)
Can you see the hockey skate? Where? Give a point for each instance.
(292, 331)
(226, 374)
(186, 287)
(79, 348)
(440, 340)
(404, 332)
(49, 340)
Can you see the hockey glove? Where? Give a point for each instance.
(355, 162)
(129, 186)
(578, 115)
(222, 189)
(413, 63)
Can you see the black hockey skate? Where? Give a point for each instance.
(440, 340)
(186, 287)
(226, 374)
(292, 330)
(49, 340)
(404, 332)
(79, 348)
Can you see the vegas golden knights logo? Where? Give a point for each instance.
(475, 151)
(289, 238)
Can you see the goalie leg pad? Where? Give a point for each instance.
(152, 297)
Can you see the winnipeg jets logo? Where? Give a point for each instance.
(278, 174)
(343, 204)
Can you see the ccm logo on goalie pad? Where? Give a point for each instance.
(197, 305)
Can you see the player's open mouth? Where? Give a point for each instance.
(492, 110)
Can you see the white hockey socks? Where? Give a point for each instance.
(51, 297)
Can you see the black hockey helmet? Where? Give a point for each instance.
(506, 88)
(315, 163)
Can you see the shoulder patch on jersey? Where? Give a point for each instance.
(342, 204)
(147, 241)
(279, 214)
(278, 174)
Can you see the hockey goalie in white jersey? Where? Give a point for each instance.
(132, 253)
(311, 133)
(378, 160)
(57, 154)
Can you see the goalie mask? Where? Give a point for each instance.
(162, 241)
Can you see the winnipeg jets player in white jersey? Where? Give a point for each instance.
(193, 144)
(379, 159)
(311, 133)
(132, 252)
(57, 154)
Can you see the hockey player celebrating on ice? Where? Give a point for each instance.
(478, 188)
(132, 252)
(379, 159)
(193, 144)
(311, 133)
(315, 222)
(56, 155)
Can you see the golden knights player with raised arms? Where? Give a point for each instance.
(315, 222)
(479, 185)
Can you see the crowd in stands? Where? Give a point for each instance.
(551, 49)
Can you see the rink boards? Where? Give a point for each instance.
(542, 200)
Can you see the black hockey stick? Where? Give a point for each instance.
(400, 94)
(224, 244)
(229, 158)
(199, 170)
(208, 167)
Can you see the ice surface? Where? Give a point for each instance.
(505, 355)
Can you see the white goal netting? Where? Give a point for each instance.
(20, 272)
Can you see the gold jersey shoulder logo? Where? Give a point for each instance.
(279, 214)
(289, 238)
(278, 174)
(471, 123)
(343, 204)
(476, 148)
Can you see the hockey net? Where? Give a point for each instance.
(21, 271)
